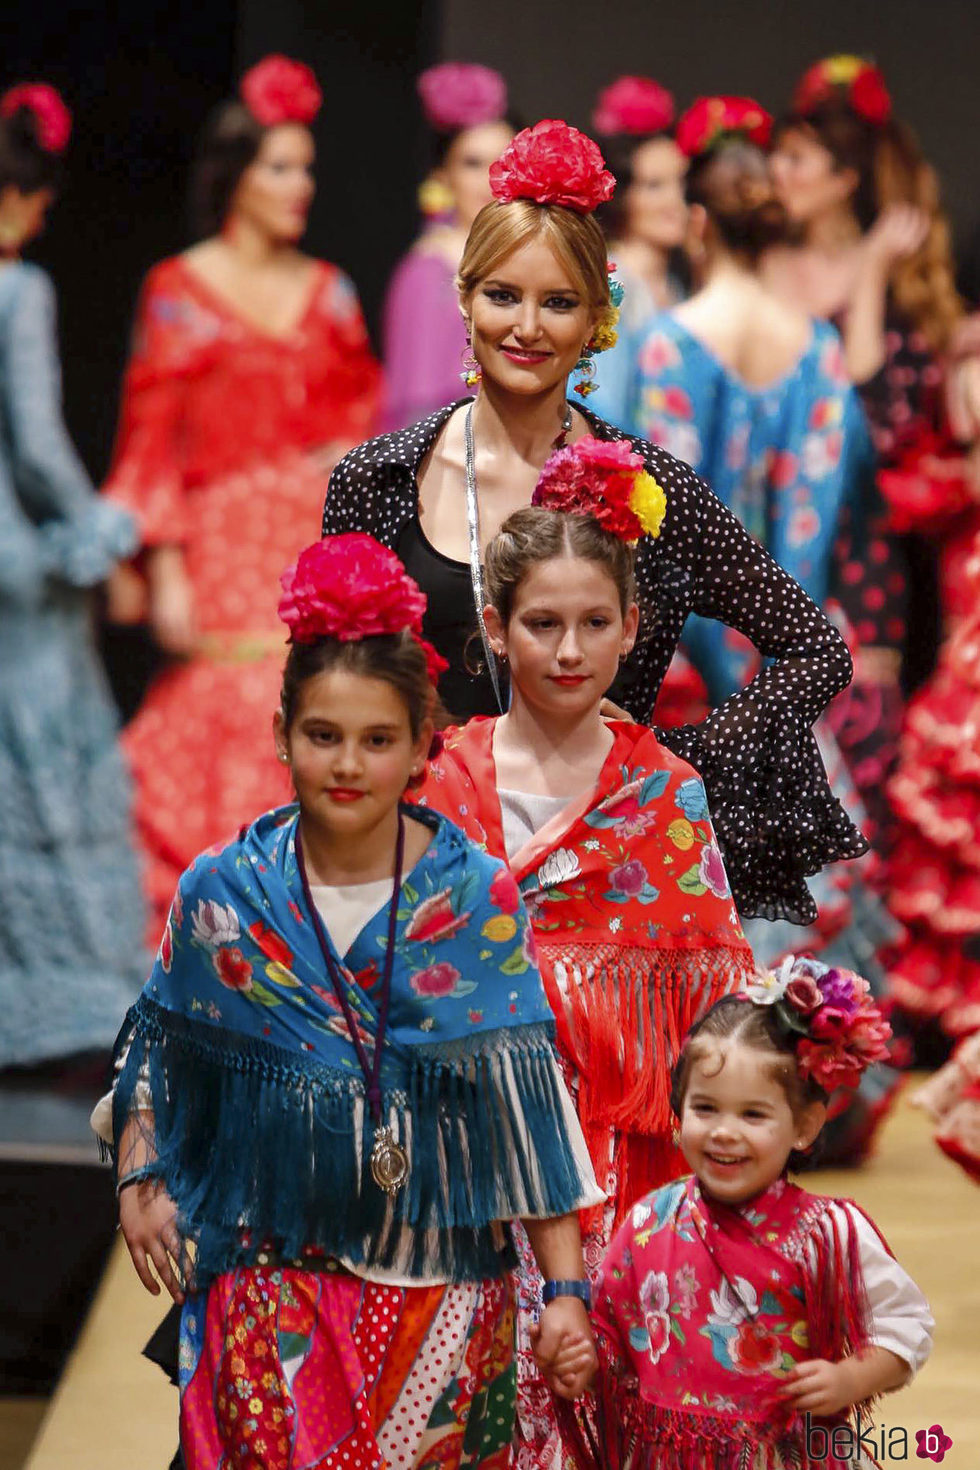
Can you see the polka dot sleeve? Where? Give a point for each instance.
(775, 817)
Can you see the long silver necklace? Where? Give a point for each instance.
(476, 565)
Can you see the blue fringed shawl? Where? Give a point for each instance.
(259, 1127)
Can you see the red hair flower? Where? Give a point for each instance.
(858, 82)
(710, 119)
(278, 90)
(351, 587)
(605, 479)
(50, 113)
(633, 105)
(552, 163)
(461, 94)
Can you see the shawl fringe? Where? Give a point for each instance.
(622, 1014)
(258, 1144)
(617, 1429)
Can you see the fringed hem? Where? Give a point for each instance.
(622, 1014)
(617, 1429)
(776, 820)
(258, 1145)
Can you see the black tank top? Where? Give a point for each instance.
(450, 625)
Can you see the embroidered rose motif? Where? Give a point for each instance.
(504, 892)
(754, 1349)
(233, 969)
(436, 980)
(654, 1304)
(712, 871)
(214, 924)
(630, 878)
(434, 919)
(690, 797)
(167, 949)
(558, 867)
(686, 1290)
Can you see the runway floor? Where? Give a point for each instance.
(114, 1411)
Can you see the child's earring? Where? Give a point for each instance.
(284, 756)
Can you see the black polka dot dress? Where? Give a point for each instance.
(775, 816)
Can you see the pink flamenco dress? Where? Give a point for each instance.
(216, 455)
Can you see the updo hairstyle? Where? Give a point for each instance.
(576, 239)
(395, 658)
(534, 534)
(734, 1019)
(731, 183)
(24, 163)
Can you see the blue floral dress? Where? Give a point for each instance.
(70, 908)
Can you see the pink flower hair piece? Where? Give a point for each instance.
(350, 587)
(635, 106)
(552, 163)
(279, 90)
(461, 94)
(605, 479)
(50, 113)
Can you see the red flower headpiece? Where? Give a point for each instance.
(350, 587)
(605, 479)
(461, 94)
(552, 163)
(52, 116)
(710, 119)
(859, 82)
(277, 90)
(831, 1016)
(633, 105)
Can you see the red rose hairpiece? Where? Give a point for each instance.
(859, 82)
(350, 587)
(461, 94)
(711, 119)
(552, 163)
(635, 106)
(50, 113)
(605, 479)
(836, 1027)
(278, 90)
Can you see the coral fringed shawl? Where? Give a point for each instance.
(636, 931)
(702, 1310)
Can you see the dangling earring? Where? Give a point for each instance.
(586, 367)
(472, 373)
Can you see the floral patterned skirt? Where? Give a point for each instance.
(283, 1368)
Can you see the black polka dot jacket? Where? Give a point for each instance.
(775, 816)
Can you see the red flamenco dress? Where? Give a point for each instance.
(216, 454)
(935, 868)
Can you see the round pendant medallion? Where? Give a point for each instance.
(389, 1162)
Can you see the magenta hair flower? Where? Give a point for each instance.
(461, 94)
(633, 105)
(51, 116)
(278, 90)
(552, 163)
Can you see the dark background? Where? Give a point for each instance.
(142, 78)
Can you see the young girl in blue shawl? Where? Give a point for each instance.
(339, 1084)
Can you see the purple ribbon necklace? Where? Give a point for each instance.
(389, 1161)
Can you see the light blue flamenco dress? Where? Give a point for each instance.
(783, 458)
(71, 956)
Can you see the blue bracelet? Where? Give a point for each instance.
(581, 1289)
(136, 1176)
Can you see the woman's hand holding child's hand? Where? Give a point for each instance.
(148, 1220)
(564, 1349)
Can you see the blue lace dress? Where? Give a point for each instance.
(71, 958)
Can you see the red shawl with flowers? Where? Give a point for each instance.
(701, 1312)
(635, 926)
